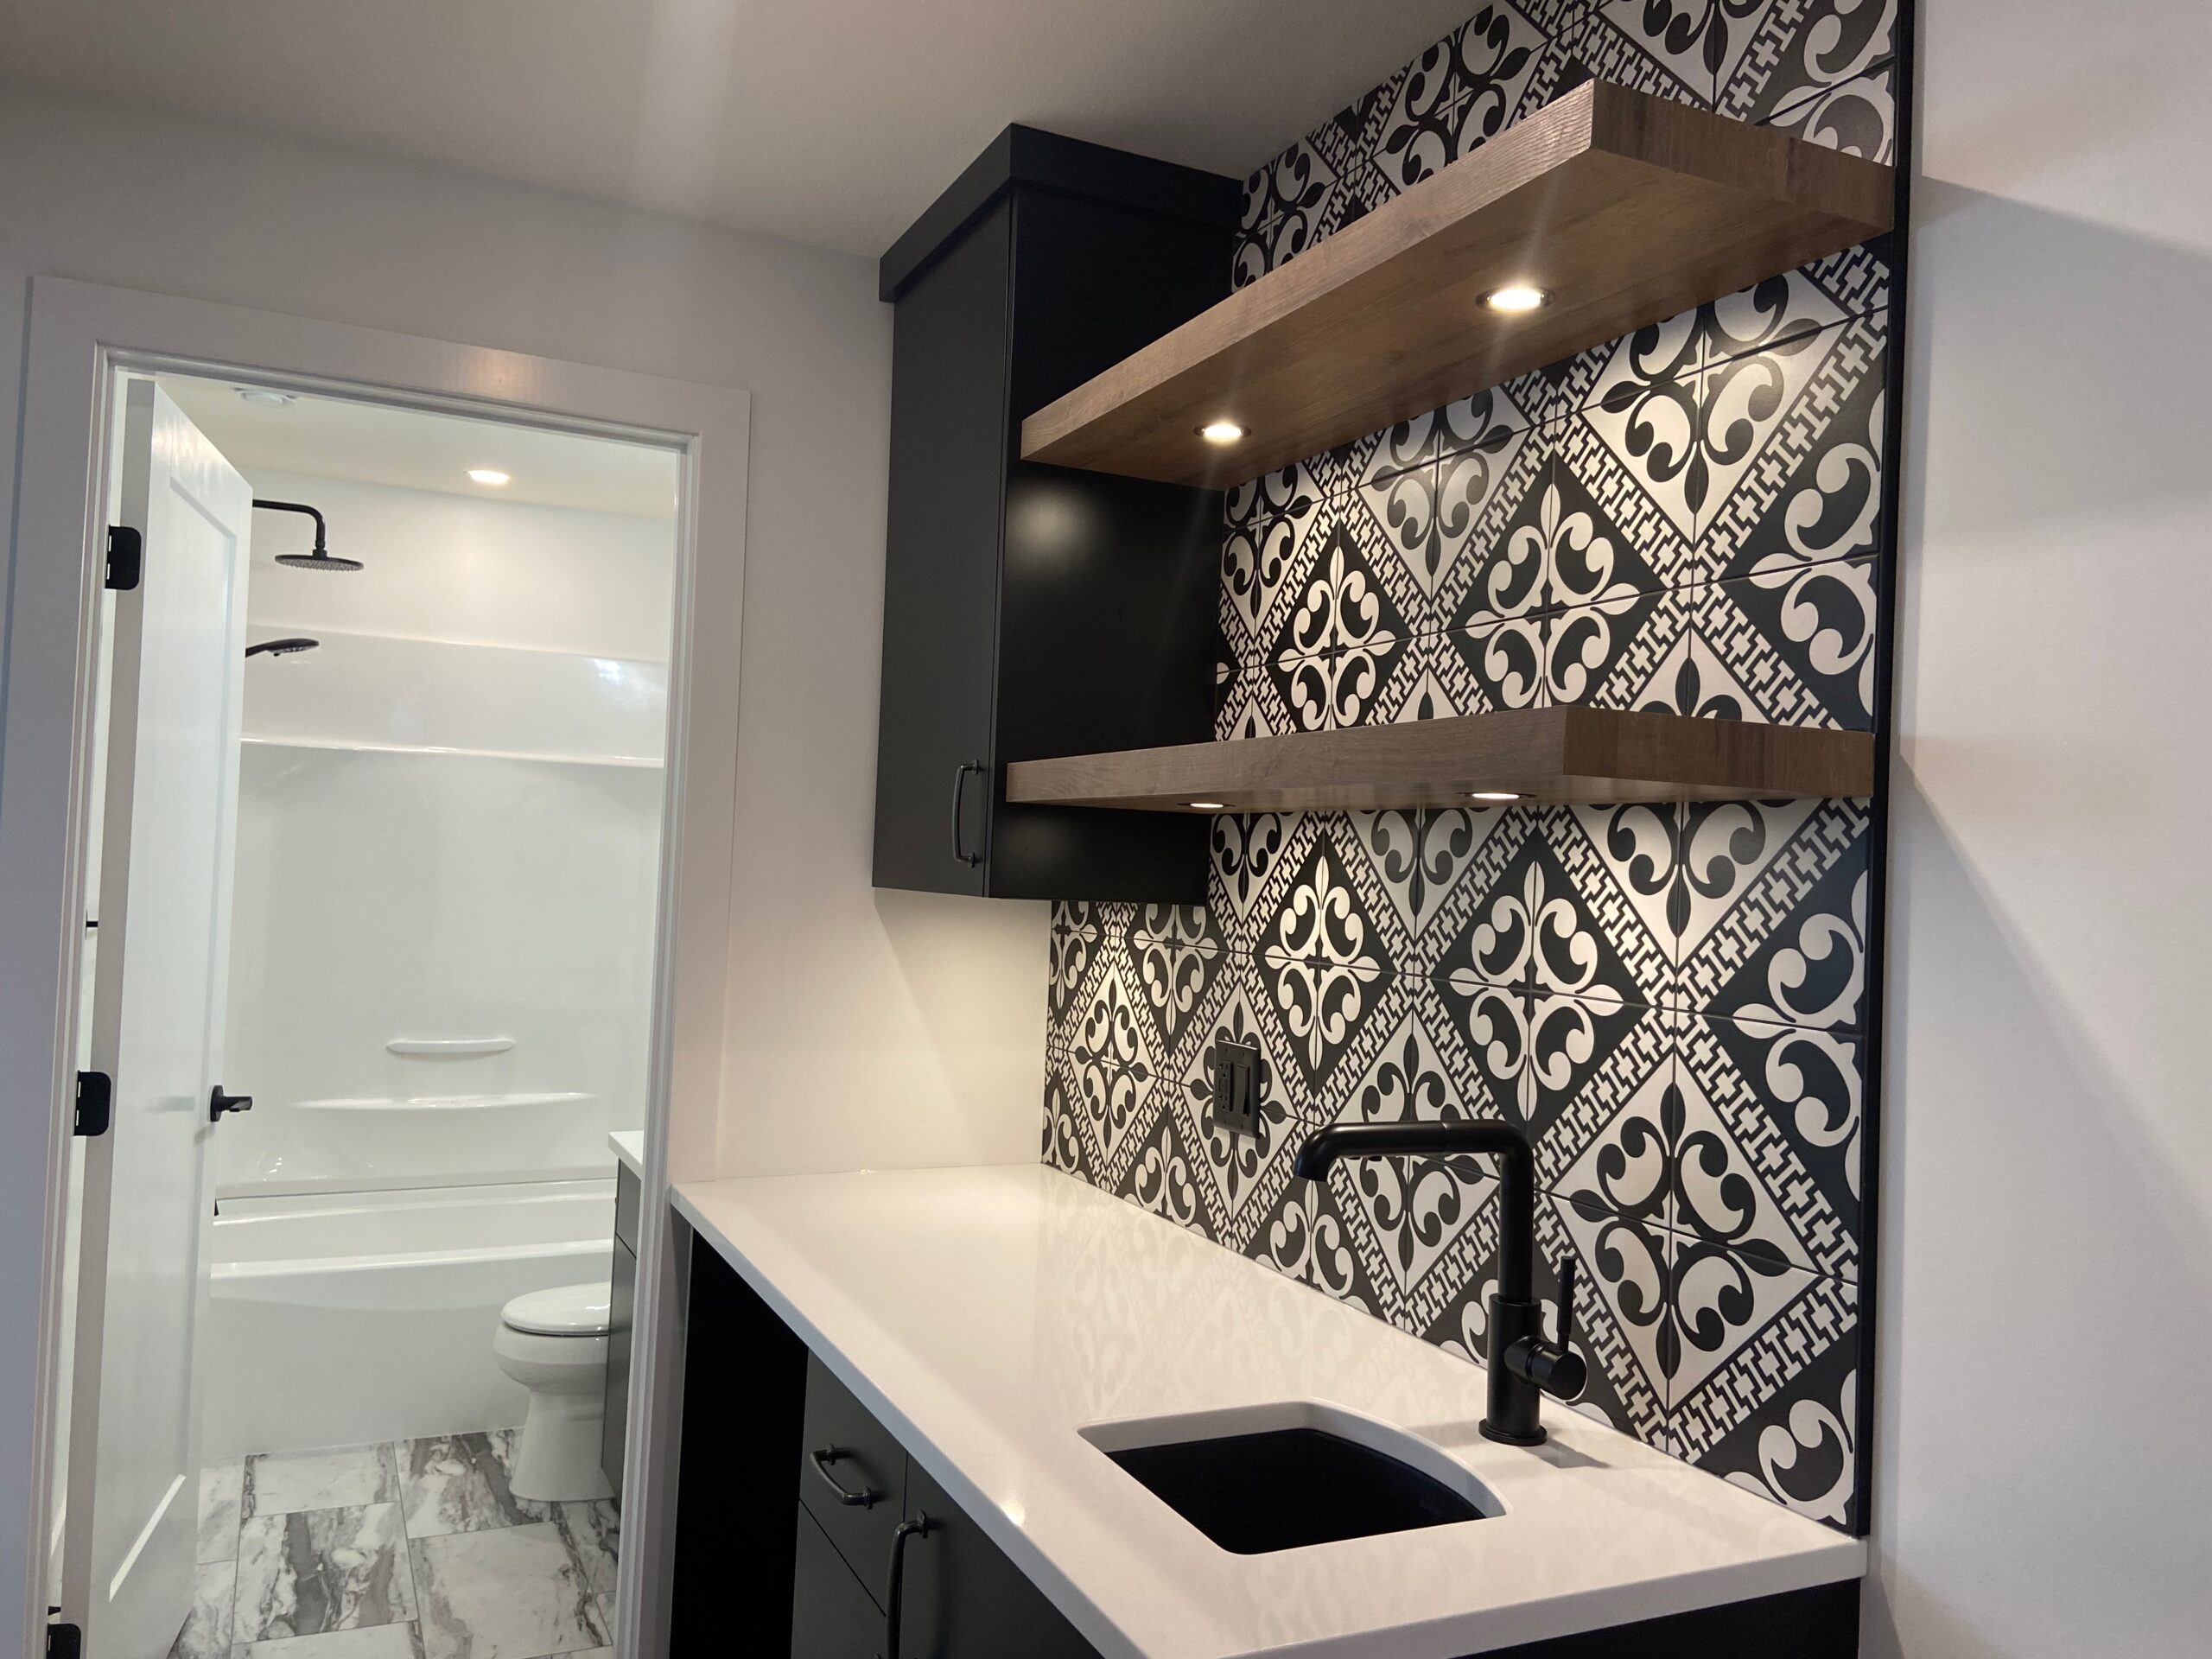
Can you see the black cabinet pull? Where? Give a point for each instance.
(867, 1499)
(960, 799)
(219, 1103)
(895, 1594)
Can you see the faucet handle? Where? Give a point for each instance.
(1554, 1367)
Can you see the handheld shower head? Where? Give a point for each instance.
(321, 558)
(290, 647)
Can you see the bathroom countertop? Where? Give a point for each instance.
(987, 1314)
(630, 1146)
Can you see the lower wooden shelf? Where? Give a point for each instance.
(1588, 755)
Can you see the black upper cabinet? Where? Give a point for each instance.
(1033, 611)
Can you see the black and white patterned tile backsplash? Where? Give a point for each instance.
(1671, 999)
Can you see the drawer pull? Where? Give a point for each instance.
(867, 1499)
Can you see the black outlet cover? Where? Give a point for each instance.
(1236, 1087)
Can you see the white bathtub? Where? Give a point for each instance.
(337, 1318)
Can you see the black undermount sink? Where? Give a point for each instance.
(1287, 1488)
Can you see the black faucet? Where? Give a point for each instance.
(1523, 1366)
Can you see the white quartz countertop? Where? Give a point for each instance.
(630, 1146)
(989, 1314)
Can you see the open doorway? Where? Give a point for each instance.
(388, 776)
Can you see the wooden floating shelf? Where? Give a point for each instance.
(1586, 755)
(1626, 208)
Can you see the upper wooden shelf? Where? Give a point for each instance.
(1589, 755)
(1627, 208)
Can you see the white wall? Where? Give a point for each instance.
(2044, 1455)
(864, 1027)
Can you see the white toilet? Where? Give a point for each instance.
(554, 1343)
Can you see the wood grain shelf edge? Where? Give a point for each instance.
(1543, 755)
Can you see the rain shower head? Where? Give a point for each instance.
(287, 647)
(321, 558)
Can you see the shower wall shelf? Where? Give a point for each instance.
(642, 763)
(449, 1048)
(1532, 755)
(1625, 207)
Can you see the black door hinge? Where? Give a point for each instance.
(95, 1102)
(126, 558)
(63, 1642)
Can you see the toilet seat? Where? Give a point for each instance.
(565, 1311)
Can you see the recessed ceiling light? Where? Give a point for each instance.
(264, 396)
(1221, 432)
(487, 475)
(1517, 297)
(1205, 806)
(1492, 795)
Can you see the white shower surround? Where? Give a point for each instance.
(442, 956)
(449, 847)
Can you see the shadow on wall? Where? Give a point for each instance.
(2084, 325)
(2031, 1206)
(943, 944)
(2046, 1297)
(887, 1030)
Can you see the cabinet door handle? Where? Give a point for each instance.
(895, 1595)
(867, 1499)
(959, 800)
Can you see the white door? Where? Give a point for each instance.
(157, 1023)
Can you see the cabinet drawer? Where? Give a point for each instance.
(832, 1617)
(845, 1451)
(628, 1192)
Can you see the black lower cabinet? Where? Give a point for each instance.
(622, 1291)
(963, 1598)
(1821, 1623)
(773, 1448)
(737, 1481)
(833, 1616)
(795, 1502)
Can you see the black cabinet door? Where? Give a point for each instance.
(832, 1616)
(622, 1287)
(964, 1599)
(629, 1198)
(744, 1397)
(949, 437)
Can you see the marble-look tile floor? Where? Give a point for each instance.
(410, 1549)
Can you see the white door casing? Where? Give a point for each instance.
(157, 1023)
(79, 333)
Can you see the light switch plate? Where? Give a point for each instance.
(1236, 1087)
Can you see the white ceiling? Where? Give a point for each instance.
(330, 437)
(829, 122)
